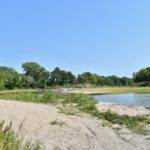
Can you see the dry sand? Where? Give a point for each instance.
(79, 133)
(123, 109)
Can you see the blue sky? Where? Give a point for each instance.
(102, 36)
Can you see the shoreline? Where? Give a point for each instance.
(128, 105)
(121, 109)
(100, 93)
(110, 90)
(54, 129)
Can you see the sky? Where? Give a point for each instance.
(107, 37)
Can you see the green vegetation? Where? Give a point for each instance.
(84, 104)
(9, 78)
(142, 76)
(59, 123)
(134, 123)
(112, 90)
(61, 77)
(21, 91)
(94, 79)
(11, 141)
(68, 109)
(36, 76)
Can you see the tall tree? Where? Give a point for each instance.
(41, 77)
(142, 75)
(61, 77)
(9, 78)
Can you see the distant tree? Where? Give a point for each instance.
(61, 77)
(142, 75)
(32, 69)
(115, 80)
(36, 75)
(71, 78)
(101, 80)
(82, 78)
(87, 78)
(9, 78)
(27, 81)
(44, 79)
(127, 81)
(56, 76)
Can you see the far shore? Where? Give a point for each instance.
(110, 90)
(87, 91)
(131, 110)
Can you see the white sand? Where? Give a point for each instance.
(123, 109)
(80, 132)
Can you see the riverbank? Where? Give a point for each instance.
(110, 90)
(123, 109)
(88, 91)
(56, 130)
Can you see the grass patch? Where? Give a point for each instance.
(21, 91)
(10, 141)
(135, 123)
(69, 109)
(112, 90)
(106, 123)
(59, 123)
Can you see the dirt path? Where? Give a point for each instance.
(78, 133)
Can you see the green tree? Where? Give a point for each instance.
(61, 77)
(36, 75)
(87, 78)
(142, 75)
(9, 78)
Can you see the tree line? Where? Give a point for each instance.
(36, 76)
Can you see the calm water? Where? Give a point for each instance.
(129, 99)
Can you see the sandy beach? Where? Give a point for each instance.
(130, 110)
(78, 132)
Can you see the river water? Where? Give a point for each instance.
(128, 99)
